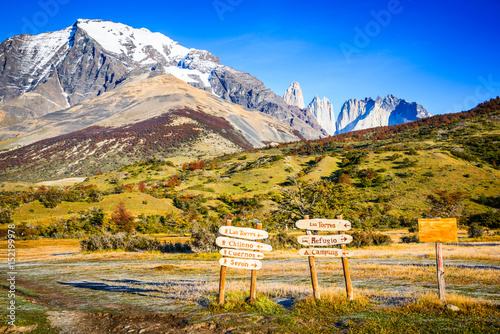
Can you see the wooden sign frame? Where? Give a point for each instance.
(438, 230)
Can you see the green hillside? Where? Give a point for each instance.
(382, 177)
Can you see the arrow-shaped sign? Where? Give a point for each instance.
(324, 224)
(244, 244)
(325, 252)
(241, 253)
(243, 232)
(241, 263)
(324, 240)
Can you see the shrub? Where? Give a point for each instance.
(6, 216)
(490, 219)
(283, 240)
(475, 231)
(203, 238)
(127, 242)
(393, 157)
(369, 238)
(409, 239)
(123, 218)
(175, 248)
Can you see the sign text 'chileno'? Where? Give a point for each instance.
(244, 244)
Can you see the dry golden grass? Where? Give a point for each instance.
(42, 249)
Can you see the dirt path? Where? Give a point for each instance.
(79, 322)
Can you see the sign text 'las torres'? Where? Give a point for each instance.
(243, 232)
(324, 224)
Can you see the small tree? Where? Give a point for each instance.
(123, 218)
(445, 204)
(298, 200)
(475, 231)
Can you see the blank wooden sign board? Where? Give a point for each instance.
(438, 230)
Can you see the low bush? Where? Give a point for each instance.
(203, 238)
(283, 240)
(475, 231)
(369, 238)
(410, 239)
(129, 242)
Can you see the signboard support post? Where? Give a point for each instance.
(347, 273)
(438, 230)
(222, 282)
(314, 274)
(253, 282)
(440, 271)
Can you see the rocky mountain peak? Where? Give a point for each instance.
(368, 113)
(293, 95)
(91, 57)
(322, 109)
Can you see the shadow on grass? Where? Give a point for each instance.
(131, 288)
(108, 287)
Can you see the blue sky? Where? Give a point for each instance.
(441, 54)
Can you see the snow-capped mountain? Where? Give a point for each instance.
(57, 70)
(368, 113)
(322, 109)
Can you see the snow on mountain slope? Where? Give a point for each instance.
(93, 57)
(141, 45)
(38, 54)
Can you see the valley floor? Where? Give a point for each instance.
(60, 290)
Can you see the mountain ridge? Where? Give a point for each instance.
(95, 56)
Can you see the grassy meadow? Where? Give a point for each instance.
(382, 181)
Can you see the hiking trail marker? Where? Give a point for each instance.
(438, 230)
(325, 240)
(241, 253)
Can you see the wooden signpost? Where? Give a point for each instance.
(241, 263)
(243, 232)
(241, 254)
(325, 240)
(242, 244)
(438, 230)
(324, 252)
(324, 224)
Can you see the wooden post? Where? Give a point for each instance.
(440, 271)
(222, 281)
(347, 274)
(314, 274)
(253, 282)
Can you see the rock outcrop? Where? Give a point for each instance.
(243, 89)
(322, 109)
(293, 95)
(368, 113)
(63, 68)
